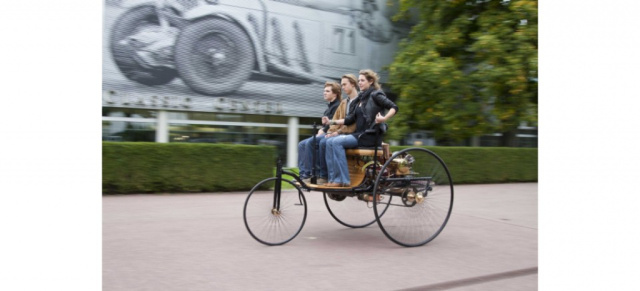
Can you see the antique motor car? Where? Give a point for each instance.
(410, 192)
(214, 46)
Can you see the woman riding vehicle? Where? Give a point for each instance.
(365, 114)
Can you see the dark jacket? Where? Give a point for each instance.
(375, 101)
(331, 109)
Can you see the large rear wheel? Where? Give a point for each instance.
(420, 192)
(274, 216)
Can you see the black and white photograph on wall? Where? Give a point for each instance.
(267, 57)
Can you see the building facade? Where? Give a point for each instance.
(233, 71)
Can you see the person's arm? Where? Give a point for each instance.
(381, 119)
(382, 100)
(350, 119)
(337, 122)
(331, 111)
(339, 114)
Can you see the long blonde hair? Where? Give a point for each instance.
(371, 76)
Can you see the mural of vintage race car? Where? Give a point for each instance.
(214, 46)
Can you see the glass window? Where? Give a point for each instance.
(309, 120)
(224, 134)
(128, 112)
(250, 135)
(207, 116)
(128, 131)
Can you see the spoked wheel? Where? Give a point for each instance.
(420, 192)
(274, 221)
(349, 211)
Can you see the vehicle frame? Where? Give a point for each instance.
(409, 191)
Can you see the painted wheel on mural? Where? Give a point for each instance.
(127, 50)
(214, 56)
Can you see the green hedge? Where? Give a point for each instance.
(141, 167)
(470, 165)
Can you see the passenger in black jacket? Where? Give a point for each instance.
(332, 94)
(366, 113)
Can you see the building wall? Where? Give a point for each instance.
(236, 71)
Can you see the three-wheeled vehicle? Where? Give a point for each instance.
(409, 192)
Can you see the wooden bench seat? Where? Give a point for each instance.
(363, 152)
(357, 159)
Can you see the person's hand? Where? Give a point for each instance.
(325, 120)
(379, 118)
(335, 133)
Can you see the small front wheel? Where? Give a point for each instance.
(273, 215)
(349, 210)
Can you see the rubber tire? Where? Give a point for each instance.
(353, 205)
(259, 207)
(122, 55)
(192, 60)
(419, 224)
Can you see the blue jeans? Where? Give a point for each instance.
(322, 158)
(337, 158)
(305, 156)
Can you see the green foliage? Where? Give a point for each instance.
(140, 167)
(467, 68)
(474, 165)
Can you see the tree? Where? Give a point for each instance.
(467, 68)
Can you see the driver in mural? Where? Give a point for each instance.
(215, 46)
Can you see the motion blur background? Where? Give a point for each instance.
(464, 73)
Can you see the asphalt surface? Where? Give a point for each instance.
(199, 242)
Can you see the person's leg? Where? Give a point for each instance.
(322, 159)
(334, 163)
(310, 152)
(301, 148)
(330, 159)
(335, 148)
(349, 141)
(303, 165)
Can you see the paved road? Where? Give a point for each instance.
(199, 242)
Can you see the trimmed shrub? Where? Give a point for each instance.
(141, 167)
(471, 165)
(147, 167)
